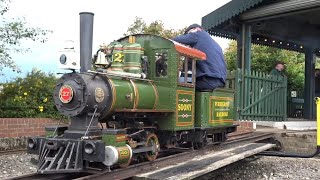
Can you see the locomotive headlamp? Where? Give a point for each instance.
(63, 59)
(89, 148)
(32, 143)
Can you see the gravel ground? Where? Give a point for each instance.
(271, 168)
(16, 165)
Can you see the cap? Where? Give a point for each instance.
(191, 27)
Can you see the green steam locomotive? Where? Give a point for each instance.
(136, 99)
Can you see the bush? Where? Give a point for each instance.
(30, 97)
(263, 59)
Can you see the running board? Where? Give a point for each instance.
(204, 164)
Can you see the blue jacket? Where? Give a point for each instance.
(214, 65)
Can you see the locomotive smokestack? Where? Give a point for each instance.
(86, 36)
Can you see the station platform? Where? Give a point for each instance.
(290, 124)
(295, 135)
(293, 141)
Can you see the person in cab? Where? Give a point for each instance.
(211, 73)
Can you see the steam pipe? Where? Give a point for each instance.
(86, 36)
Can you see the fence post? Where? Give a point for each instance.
(238, 92)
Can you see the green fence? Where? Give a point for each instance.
(259, 96)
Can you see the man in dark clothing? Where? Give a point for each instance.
(278, 69)
(212, 72)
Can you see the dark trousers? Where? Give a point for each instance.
(208, 83)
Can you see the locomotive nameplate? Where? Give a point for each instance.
(99, 95)
(65, 94)
(221, 109)
(184, 109)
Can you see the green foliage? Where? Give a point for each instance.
(157, 27)
(263, 59)
(12, 31)
(29, 97)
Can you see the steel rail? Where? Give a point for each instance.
(35, 176)
(10, 152)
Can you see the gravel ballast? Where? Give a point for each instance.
(16, 165)
(271, 168)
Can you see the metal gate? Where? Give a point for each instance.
(260, 96)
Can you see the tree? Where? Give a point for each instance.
(29, 97)
(12, 31)
(264, 57)
(156, 27)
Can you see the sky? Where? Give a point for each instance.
(111, 21)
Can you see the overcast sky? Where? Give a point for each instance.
(111, 20)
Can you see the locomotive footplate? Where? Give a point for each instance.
(218, 129)
(65, 155)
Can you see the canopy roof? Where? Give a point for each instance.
(285, 24)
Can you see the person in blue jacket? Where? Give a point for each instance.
(212, 72)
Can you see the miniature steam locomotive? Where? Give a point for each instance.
(135, 99)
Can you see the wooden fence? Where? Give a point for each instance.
(258, 96)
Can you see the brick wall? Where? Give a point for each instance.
(243, 128)
(18, 127)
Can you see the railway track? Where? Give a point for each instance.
(150, 166)
(35, 176)
(10, 152)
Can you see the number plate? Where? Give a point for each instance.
(65, 94)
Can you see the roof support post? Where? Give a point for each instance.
(244, 53)
(244, 47)
(239, 48)
(309, 84)
(244, 62)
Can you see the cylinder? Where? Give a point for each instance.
(86, 36)
(117, 155)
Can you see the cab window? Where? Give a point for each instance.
(161, 64)
(186, 71)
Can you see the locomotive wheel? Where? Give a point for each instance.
(152, 140)
(124, 165)
(199, 145)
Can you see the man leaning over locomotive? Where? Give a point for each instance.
(212, 72)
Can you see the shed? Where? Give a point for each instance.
(286, 24)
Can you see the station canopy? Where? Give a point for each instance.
(286, 24)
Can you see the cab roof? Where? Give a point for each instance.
(188, 51)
